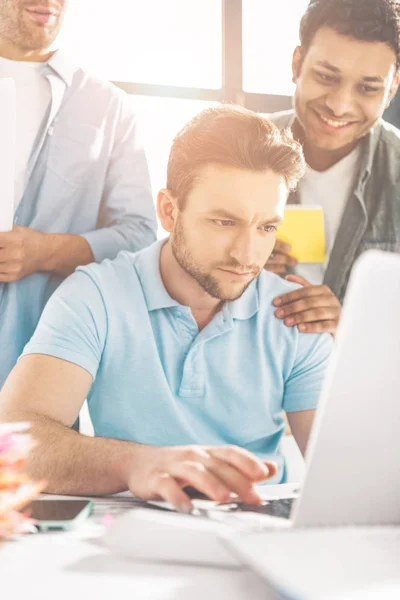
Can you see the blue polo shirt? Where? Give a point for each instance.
(158, 380)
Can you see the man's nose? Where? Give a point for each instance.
(340, 102)
(243, 250)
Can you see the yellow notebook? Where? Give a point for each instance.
(303, 228)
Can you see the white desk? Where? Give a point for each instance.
(68, 566)
(74, 565)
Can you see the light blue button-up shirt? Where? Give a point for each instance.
(87, 175)
(159, 381)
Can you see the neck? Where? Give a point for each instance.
(183, 288)
(317, 158)
(12, 52)
(321, 160)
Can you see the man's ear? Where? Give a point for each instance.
(167, 210)
(296, 63)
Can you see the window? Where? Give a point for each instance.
(169, 42)
(270, 34)
(160, 120)
(176, 57)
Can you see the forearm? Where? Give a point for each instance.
(64, 252)
(75, 464)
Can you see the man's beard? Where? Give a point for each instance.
(205, 280)
(14, 29)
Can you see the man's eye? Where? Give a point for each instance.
(269, 228)
(224, 222)
(325, 78)
(368, 89)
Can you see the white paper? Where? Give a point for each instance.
(8, 120)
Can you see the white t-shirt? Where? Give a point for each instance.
(33, 99)
(331, 190)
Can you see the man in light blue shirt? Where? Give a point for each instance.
(82, 185)
(186, 369)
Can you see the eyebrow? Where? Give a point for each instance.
(327, 65)
(227, 215)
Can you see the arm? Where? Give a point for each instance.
(300, 423)
(127, 219)
(24, 251)
(69, 462)
(304, 383)
(49, 392)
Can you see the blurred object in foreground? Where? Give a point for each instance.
(16, 491)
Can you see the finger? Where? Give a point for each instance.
(9, 257)
(305, 292)
(198, 476)
(319, 327)
(282, 259)
(277, 269)
(8, 277)
(313, 316)
(307, 304)
(6, 239)
(234, 480)
(283, 247)
(166, 488)
(298, 279)
(272, 469)
(244, 461)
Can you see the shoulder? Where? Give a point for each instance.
(387, 157)
(293, 346)
(102, 93)
(112, 271)
(389, 140)
(270, 286)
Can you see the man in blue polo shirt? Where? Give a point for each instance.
(186, 369)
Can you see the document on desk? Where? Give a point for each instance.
(326, 563)
(7, 152)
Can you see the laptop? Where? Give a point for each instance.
(344, 529)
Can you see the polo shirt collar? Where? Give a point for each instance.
(148, 267)
(157, 297)
(247, 305)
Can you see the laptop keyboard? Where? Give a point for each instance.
(274, 508)
(247, 517)
(251, 518)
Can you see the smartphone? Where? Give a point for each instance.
(59, 515)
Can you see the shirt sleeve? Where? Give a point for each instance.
(127, 219)
(73, 325)
(304, 383)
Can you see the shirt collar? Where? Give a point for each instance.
(60, 65)
(148, 268)
(157, 297)
(247, 305)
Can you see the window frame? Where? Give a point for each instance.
(232, 73)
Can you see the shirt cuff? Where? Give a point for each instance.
(104, 243)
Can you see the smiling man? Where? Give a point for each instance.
(186, 370)
(346, 73)
(82, 190)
